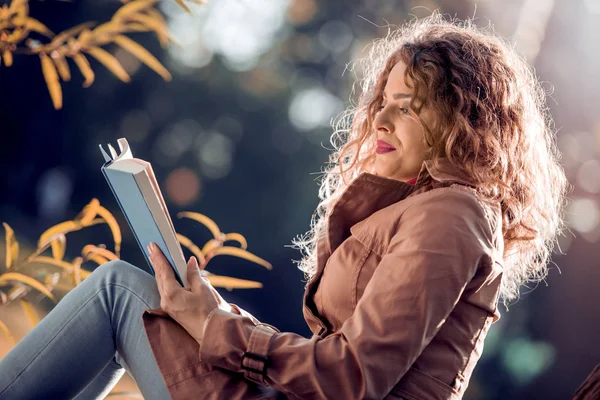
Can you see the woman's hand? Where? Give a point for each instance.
(188, 306)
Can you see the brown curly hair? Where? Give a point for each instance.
(491, 123)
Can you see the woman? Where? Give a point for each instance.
(444, 195)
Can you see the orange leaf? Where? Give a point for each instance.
(89, 212)
(65, 227)
(204, 220)
(193, 248)
(230, 283)
(61, 264)
(143, 55)
(36, 26)
(97, 258)
(236, 237)
(8, 58)
(64, 35)
(59, 245)
(19, 7)
(27, 280)
(84, 66)
(110, 62)
(114, 227)
(52, 80)
(30, 312)
(155, 20)
(132, 8)
(210, 246)
(91, 249)
(7, 333)
(63, 67)
(241, 253)
(12, 246)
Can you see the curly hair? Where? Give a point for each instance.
(491, 123)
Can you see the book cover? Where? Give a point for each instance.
(136, 190)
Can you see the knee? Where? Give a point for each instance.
(119, 271)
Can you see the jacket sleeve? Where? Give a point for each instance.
(437, 247)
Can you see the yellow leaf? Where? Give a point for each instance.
(114, 227)
(110, 62)
(97, 258)
(59, 246)
(236, 252)
(34, 25)
(30, 312)
(8, 58)
(211, 245)
(103, 33)
(230, 283)
(91, 249)
(182, 5)
(27, 280)
(131, 8)
(65, 227)
(7, 333)
(64, 35)
(17, 35)
(204, 220)
(84, 66)
(52, 81)
(89, 212)
(186, 242)
(236, 237)
(84, 38)
(154, 20)
(41, 248)
(60, 264)
(12, 246)
(19, 7)
(137, 27)
(143, 55)
(63, 68)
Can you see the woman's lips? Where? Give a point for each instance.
(382, 150)
(384, 147)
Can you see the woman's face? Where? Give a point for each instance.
(401, 147)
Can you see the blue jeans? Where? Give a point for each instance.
(86, 343)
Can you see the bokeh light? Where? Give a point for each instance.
(183, 186)
(313, 108)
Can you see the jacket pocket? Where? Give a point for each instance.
(417, 385)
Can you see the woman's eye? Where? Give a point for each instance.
(404, 110)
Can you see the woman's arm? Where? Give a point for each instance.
(439, 245)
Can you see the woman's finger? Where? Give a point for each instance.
(164, 272)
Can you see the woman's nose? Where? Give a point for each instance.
(382, 123)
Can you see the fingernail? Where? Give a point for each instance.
(194, 261)
(152, 246)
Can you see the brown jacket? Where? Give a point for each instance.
(406, 288)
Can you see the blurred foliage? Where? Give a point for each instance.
(135, 16)
(60, 275)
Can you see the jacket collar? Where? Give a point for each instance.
(369, 193)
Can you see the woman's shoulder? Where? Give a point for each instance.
(442, 210)
(454, 199)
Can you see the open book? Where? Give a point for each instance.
(133, 183)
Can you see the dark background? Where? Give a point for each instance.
(246, 118)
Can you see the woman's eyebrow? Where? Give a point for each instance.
(397, 96)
